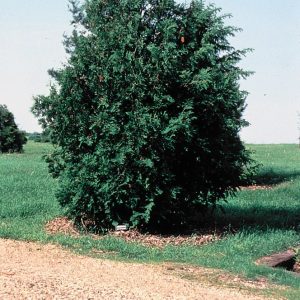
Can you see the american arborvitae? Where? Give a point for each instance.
(146, 114)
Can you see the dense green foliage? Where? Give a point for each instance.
(11, 138)
(146, 114)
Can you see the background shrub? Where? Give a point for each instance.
(11, 138)
(146, 114)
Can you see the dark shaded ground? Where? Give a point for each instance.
(271, 176)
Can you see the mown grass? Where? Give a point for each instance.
(27, 197)
(266, 221)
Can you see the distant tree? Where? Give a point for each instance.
(146, 114)
(11, 138)
(38, 137)
(45, 136)
(34, 136)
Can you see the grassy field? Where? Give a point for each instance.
(267, 220)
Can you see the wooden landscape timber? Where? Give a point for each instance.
(286, 259)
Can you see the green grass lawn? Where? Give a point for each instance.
(267, 220)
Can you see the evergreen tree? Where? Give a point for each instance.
(146, 114)
(11, 138)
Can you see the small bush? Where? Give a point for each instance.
(11, 138)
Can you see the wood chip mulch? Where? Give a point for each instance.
(160, 241)
(63, 225)
(255, 187)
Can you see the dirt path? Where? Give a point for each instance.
(33, 271)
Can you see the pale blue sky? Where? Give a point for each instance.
(272, 28)
(31, 42)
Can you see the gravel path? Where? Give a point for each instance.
(34, 271)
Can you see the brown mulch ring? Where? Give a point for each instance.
(155, 240)
(63, 225)
(256, 187)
